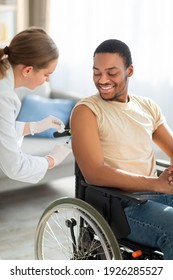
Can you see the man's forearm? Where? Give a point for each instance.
(116, 178)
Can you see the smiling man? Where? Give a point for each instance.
(112, 139)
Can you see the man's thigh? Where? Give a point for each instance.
(149, 221)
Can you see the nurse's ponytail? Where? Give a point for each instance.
(4, 65)
(31, 47)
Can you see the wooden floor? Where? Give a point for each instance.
(20, 211)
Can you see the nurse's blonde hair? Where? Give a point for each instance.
(31, 47)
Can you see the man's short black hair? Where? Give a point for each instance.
(115, 46)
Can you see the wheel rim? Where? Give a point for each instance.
(72, 229)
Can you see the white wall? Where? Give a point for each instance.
(78, 26)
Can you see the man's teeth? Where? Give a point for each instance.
(106, 87)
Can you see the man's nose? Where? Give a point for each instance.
(104, 79)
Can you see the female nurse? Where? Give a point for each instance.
(27, 62)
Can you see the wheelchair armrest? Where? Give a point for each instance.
(161, 164)
(117, 193)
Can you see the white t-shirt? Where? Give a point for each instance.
(126, 131)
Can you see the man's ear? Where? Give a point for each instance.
(26, 70)
(130, 70)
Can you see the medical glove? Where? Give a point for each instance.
(59, 153)
(44, 124)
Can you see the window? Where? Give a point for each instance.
(78, 26)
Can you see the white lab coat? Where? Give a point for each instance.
(13, 161)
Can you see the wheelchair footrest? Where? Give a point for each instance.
(136, 251)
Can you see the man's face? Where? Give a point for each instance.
(111, 76)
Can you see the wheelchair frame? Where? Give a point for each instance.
(91, 226)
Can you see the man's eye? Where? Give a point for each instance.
(113, 74)
(97, 74)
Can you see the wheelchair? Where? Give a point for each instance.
(91, 226)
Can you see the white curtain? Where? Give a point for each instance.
(33, 13)
(146, 26)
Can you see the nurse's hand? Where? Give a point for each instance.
(44, 124)
(58, 154)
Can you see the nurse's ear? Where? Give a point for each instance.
(26, 70)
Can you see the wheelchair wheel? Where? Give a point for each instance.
(71, 229)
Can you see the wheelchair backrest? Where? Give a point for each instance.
(105, 202)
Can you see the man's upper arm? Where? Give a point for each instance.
(85, 140)
(163, 137)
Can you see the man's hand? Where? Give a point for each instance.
(165, 181)
(170, 175)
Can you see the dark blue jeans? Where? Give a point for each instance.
(151, 223)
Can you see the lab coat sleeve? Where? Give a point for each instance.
(19, 128)
(19, 131)
(13, 161)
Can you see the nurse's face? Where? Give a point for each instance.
(34, 78)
